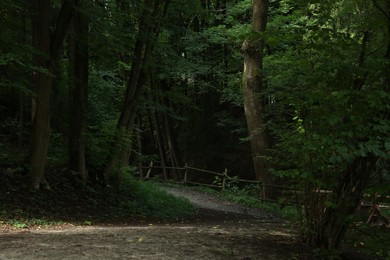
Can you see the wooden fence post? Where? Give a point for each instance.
(262, 190)
(185, 174)
(141, 171)
(149, 170)
(225, 176)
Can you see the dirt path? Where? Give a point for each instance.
(214, 205)
(219, 230)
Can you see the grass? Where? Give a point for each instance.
(150, 201)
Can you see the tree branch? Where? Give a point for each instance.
(61, 28)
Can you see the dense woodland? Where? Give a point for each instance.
(288, 92)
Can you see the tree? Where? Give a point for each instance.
(372, 142)
(79, 66)
(15, 62)
(329, 111)
(149, 26)
(252, 86)
(47, 52)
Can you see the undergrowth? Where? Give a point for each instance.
(150, 201)
(73, 201)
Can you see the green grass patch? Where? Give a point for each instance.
(248, 197)
(150, 201)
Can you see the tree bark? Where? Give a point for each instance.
(144, 45)
(42, 82)
(172, 144)
(23, 40)
(346, 198)
(252, 87)
(160, 141)
(387, 55)
(131, 90)
(170, 134)
(78, 95)
(47, 53)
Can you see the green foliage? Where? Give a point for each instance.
(57, 154)
(99, 139)
(19, 219)
(326, 95)
(248, 196)
(327, 124)
(231, 184)
(102, 115)
(18, 224)
(15, 53)
(329, 104)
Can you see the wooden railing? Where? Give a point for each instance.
(225, 178)
(292, 192)
(223, 183)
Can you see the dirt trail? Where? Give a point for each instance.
(219, 230)
(209, 203)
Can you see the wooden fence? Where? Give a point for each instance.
(186, 172)
(224, 180)
(223, 183)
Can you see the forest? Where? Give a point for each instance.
(286, 92)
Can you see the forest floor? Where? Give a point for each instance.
(216, 231)
(219, 229)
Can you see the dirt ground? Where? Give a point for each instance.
(219, 230)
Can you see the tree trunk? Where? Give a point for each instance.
(144, 45)
(252, 87)
(131, 89)
(48, 49)
(346, 198)
(172, 144)
(170, 135)
(387, 55)
(158, 133)
(42, 82)
(78, 95)
(23, 41)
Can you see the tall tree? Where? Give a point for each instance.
(47, 52)
(252, 86)
(78, 45)
(149, 27)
